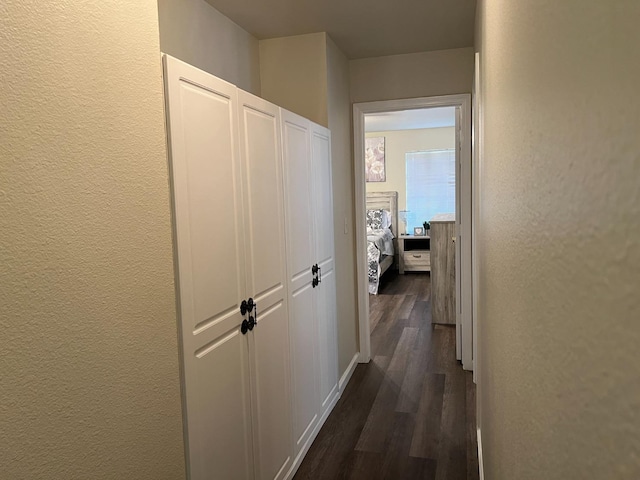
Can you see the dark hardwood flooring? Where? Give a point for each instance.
(410, 412)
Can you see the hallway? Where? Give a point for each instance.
(410, 412)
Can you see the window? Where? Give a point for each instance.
(431, 185)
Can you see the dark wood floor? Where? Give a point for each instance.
(410, 412)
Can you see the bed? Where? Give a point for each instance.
(382, 227)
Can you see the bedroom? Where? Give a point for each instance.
(410, 177)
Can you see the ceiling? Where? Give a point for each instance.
(410, 119)
(361, 28)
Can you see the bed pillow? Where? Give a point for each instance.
(374, 219)
(378, 219)
(386, 219)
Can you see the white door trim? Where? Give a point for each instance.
(463, 101)
(475, 176)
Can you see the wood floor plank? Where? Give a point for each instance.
(425, 441)
(404, 347)
(406, 307)
(397, 462)
(374, 318)
(442, 354)
(388, 329)
(452, 455)
(424, 292)
(362, 465)
(379, 426)
(411, 390)
(420, 315)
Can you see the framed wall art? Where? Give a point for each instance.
(374, 160)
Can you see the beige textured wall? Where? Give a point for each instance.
(89, 385)
(560, 223)
(397, 144)
(293, 74)
(425, 74)
(196, 33)
(339, 115)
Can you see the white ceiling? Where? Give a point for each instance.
(410, 119)
(361, 28)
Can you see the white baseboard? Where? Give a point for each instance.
(480, 461)
(346, 376)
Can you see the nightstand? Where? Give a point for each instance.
(415, 253)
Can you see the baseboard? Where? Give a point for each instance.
(480, 461)
(346, 376)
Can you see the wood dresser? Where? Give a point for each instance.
(443, 268)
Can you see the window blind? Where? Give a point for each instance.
(431, 184)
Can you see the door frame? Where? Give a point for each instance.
(463, 104)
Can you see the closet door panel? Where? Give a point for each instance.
(264, 196)
(304, 365)
(323, 197)
(299, 207)
(272, 407)
(220, 435)
(205, 173)
(326, 305)
(266, 279)
(301, 256)
(327, 339)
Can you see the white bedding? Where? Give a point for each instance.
(383, 239)
(379, 243)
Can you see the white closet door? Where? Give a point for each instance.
(301, 255)
(266, 283)
(326, 301)
(205, 173)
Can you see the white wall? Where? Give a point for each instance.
(196, 33)
(425, 74)
(90, 384)
(559, 229)
(339, 116)
(397, 144)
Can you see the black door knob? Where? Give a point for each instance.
(251, 323)
(244, 328)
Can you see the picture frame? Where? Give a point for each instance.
(375, 168)
(418, 231)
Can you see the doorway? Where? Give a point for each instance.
(462, 107)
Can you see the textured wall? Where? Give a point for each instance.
(425, 74)
(560, 223)
(89, 385)
(196, 33)
(339, 115)
(397, 144)
(293, 74)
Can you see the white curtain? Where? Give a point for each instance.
(431, 184)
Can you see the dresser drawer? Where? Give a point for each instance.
(417, 258)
